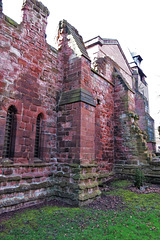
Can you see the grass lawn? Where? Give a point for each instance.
(138, 219)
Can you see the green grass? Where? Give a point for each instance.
(133, 200)
(121, 183)
(139, 220)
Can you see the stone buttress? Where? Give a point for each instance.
(76, 118)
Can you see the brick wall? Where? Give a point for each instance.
(29, 81)
(104, 137)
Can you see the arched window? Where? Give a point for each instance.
(38, 138)
(10, 133)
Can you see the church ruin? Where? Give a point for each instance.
(70, 118)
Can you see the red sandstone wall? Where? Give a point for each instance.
(68, 133)
(28, 80)
(104, 123)
(87, 138)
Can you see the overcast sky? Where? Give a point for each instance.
(135, 24)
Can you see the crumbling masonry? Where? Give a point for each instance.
(68, 116)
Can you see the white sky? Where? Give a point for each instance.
(135, 24)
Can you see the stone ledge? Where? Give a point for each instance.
(105, 175)
(72, 165)
(77, 95)
(26, 187)
(152, 175)
(22, 204)
(11, 21)
(88, 165)
(88, 186)
(149, 171)
(87, 196)
(25, 176)
(10, 178)
(154, 168)
(15, 200)
(155, 163)
(130, 166)
(16, 165)
(87, 176)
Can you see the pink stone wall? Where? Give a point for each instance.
(28, 70)
(68, 133)
(28, 80)
(87, 134)
(104, 137)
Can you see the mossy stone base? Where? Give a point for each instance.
(79, 185)
(150, 171)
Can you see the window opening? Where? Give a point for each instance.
(10, 133)
(98, 101)
(38, 138)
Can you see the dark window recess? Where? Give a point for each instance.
(10, 133)
(38, 138)
(98, 101)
